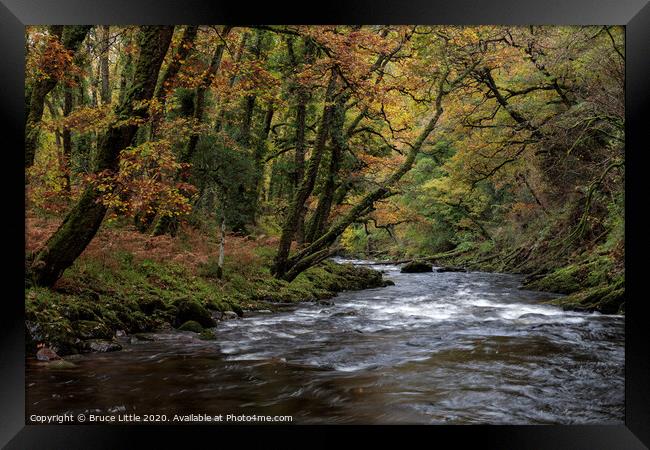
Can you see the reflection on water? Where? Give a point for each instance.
(435, 348)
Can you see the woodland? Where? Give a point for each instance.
(171, 170)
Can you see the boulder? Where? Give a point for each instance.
(191, 325)
(91, 329)
(144, 337)
(229, 315)
(46, 354)
(60, 364)
(416, 267)
(149, 305)
(103, 346)
(187, 310)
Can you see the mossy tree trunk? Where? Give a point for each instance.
(104, 36)
(318, 220)
(126, 62)
(302, 98)
(260, 151)
(173, 68)
(82, 222)
(307, 184)
(67, 135)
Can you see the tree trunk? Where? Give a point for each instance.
(221, 116)
(199, 100)
(54, 114)
(67, 135)
(172, 70)
(307, 183)
(83, 143)
(222, 247)
(299, 162)
(338, 142)
(104, 37)
(302, 97)
(126, 74)
(82, 222)
(71, 38)
(260, 151)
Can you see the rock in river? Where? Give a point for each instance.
(416, 267)
(229, 315)
(103, 346)
(46, 354)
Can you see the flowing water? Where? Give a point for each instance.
(434, 348)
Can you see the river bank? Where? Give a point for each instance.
(127, 283)
(89, 310)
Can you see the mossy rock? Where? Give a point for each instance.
(416, 267)
(191, 325)
(191, 310)
(91, 329)
(102, 346)
(150, 304)
(79, 310)
(236, 308)
(207, 335)
(56, 334)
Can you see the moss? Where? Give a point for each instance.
(605, 298)
(189, 310)
(562, 281)
(207, 335)
(191, 325)
(572, 278)
(91, 329)
(150, 304)
(95, 298)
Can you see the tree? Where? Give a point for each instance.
(59, 53)
(307, 184)
(165, 223)
(83, 220)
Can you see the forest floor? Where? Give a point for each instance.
(128, 283)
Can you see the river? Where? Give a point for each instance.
(440, 348)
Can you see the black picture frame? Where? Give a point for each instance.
(15, 14)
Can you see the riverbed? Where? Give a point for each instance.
(435, 348)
